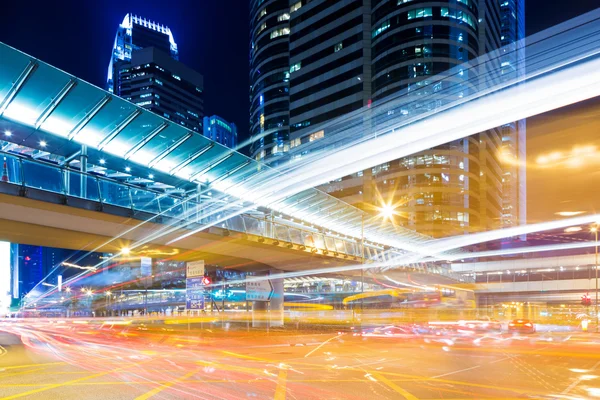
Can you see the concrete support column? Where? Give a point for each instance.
(276, 312)
(269, 313)
(83, 159)
(260, 310)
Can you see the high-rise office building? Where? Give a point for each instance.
(514, 194)
(343, 54)
(454, 188)
(269, 75)
(330, 61)
(145, 70)
(220, 131)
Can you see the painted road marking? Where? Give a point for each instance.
(321, 345)
(393, 386)
(455, 372)
(281, 385)
(31, 365)
(578, 380)
(74, 381)
(165, 386)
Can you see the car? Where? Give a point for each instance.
(390, 331)
(521, 326)
(489, 324)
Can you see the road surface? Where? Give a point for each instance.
(79, 361)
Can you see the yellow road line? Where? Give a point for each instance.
(31, 365)
(281, 385)
(31, 371)
(394, 387)
(164, 386)
(74, 381)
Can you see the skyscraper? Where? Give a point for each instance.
(269, 75)
(220, 131)
(514, 194)
(145, 70)
(345, 54)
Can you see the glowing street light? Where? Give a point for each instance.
(125, 251)
(387, 211)
(68, 289)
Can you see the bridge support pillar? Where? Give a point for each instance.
(269, 313)
(83, 159)
(276, 312)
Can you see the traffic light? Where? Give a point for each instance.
(586, 300)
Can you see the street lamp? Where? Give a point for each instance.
(595, 231)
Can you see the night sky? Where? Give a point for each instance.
(212, 35)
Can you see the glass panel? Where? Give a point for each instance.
(13, 169)
(36, 94)
(319, 241)
(171, 206)
(226, 166)
(182, 153)
(330, 243)
(73, 186)
(309, 240)
(236, 224)
(281, 232)
(115, 194)
(144, 200)
(42, 176)
(254, 226)
(133, 133)
(104, 122)
(340, 247)
(353, 249)
(158, 144)
(72, 109)
(296, 236)
(13, 64)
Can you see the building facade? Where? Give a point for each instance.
(145, 70)
(269, 75)
(221, 131)
(346, 54)
(514, 135)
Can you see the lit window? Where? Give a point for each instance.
(458, 15)
(280, 32)
(262, 27)
(262, 122)
(316, 136)
(382, 27)
(159, 82)
(295, 143)
(296, 67)
(262, 13)
(274, 150)
(338, 47)
(144, 103)
(283, 17)
(143, 96)
(420, 13)
(176, 77)
(403, 1)
(296, 7)
(198, 90)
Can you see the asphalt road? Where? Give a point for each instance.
(69, 361)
